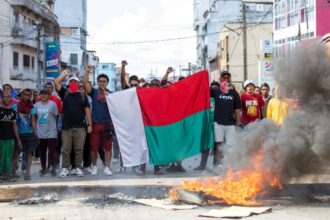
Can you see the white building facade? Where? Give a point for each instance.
(72, 17)
(25, 25)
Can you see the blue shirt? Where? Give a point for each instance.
(100, 111)
(24, 121)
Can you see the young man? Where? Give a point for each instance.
(75, 111)
(226, 116)
(47, 116)
(50, 89)
(8, 134)
(26, 123)
(265, 89)
(102, 124)
(8, 88)
(133, 80)
(253, 106)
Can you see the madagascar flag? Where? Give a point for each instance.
(168, 124)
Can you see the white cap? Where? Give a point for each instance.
(74, 78)
(247, 82)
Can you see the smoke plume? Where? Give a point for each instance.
(296, 147)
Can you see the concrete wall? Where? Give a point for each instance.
(71, 13)
(235, 50)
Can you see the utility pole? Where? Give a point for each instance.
(244, 42)
(38, 58)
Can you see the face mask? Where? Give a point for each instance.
(224, 87)
(74, 87)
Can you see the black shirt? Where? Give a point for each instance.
(73, 109)
(7, 118)
(225, 106)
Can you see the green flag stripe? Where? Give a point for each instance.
(180, 140)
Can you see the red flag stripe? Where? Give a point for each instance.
(163, 106)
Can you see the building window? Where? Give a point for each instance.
(15, 60)
(74, 59)
(16, 16)
(26, 61)
(32, 62)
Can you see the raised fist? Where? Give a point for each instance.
(124, 63)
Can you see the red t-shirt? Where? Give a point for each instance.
(251, 105)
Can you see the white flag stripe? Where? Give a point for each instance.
(127, 119)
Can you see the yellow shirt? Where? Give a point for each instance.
(277, 110)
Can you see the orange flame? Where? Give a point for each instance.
(240, 187)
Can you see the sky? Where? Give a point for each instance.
(111, 21)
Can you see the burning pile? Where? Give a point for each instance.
(240, 187)
(264, 154)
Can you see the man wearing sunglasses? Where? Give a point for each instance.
(133, 81)
(102, 125)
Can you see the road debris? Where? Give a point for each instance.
(236, 212)
(164, 204)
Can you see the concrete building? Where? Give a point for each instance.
(93, 60)
(72, 17)
(212, 16)
(111, 71)
(297, 20)
(25, 24)
(230, 54)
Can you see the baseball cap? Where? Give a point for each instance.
(248, 82)
(225, 73)
(73, 78)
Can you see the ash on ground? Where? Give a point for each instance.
(38, 200)
(110, 200)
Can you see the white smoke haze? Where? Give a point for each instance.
(296, 147)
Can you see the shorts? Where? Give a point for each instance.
(101, 137)
(224, 133)
(30, 142)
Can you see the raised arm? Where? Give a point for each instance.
(59, 79)
(168, 71)
(123, 74)
(86, 84)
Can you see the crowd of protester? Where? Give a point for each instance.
(67, 123)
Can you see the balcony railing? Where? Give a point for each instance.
(42, 9)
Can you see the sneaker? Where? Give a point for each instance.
(88, 170)
(43, 173)
(107, 171)
(79, 172)
(10, 179)
(64, 173)
(27, 177)
(115, 160)
(179, 168)
(94, 171)
(73, 172)
(53, 173)
(199, 168)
